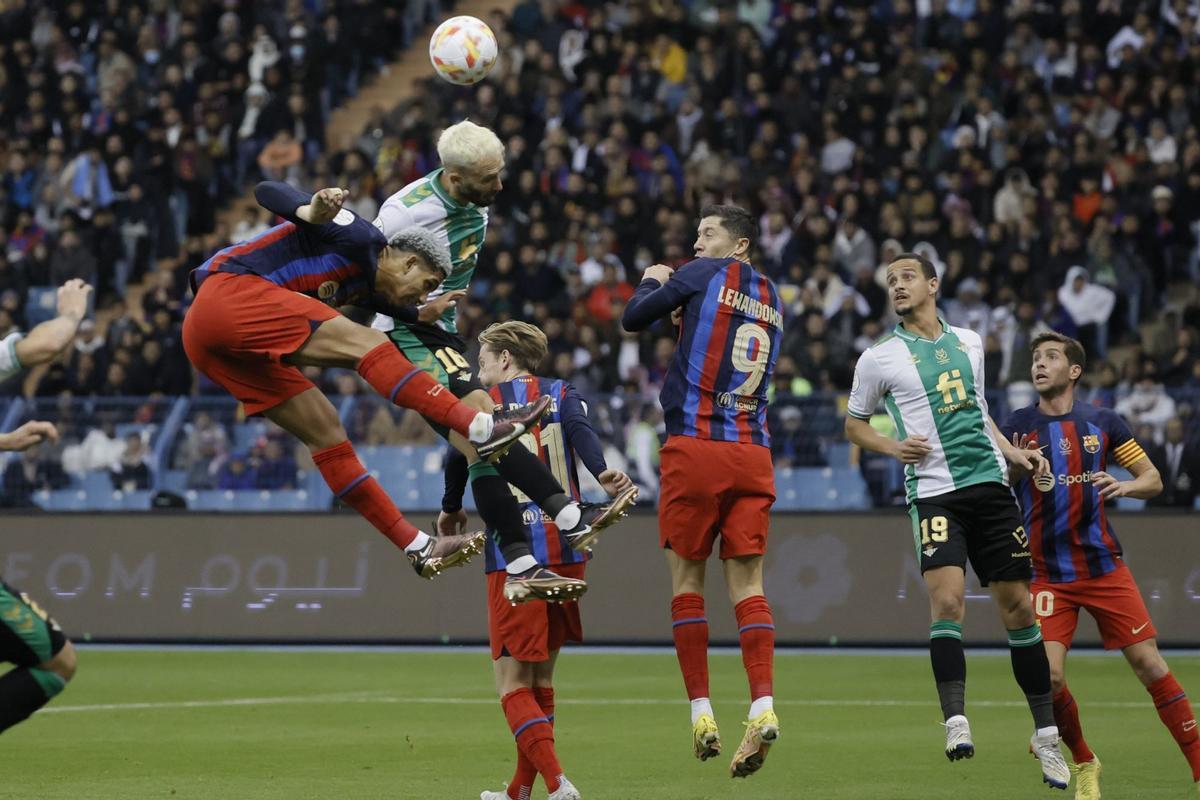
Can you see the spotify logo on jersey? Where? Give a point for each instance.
(1044, 482)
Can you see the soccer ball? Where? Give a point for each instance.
(463, 50)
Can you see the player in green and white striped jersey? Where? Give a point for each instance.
(930, 377)
(44, 657)
(451, 202)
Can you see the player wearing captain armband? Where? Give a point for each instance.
(1078, 563)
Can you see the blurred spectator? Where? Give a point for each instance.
(131, 472)
(30, 472)
(1178, 462)
(1148, 404)
(236, 473)
(274, 468)
(1089, 306)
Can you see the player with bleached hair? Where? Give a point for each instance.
(452, 203)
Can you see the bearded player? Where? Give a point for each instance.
(451, 203)
(266, 307)
(1077, 560)
(717, 476)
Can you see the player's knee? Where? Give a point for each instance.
(1148, 665)
(947, 605)
(64, 663)
(1058, 679)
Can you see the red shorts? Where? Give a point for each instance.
(715, 488)
(1113, 600)
(240, 327)
(531, 631)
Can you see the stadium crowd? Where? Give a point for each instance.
(1044, 156)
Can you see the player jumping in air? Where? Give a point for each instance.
(451, 203)
(1077, 560)
(930, 375)
(29, 637)
(717, 475)
(265, 307)
(526, 638)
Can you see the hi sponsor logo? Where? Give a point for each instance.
(1046, 483)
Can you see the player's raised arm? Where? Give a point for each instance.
(47, 340)
(582, 439)
(660, 292)
(319, 209)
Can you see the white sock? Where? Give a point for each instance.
(1051, 731)
(764, 703)
(700, 707)
(568, 518)
(522, 564)
(419, 541)
(480, 428)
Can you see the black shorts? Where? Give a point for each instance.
(980, 523)
(28, 635)
(440, 353)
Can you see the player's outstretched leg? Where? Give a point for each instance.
(312, 418)
(1171, 701)
(581, 523)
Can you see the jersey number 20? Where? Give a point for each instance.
(750, 334)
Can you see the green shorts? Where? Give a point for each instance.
(28, 635)
(441, 354)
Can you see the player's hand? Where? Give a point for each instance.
(1028, 461)
(658, 272)
(452, 523)
(1110, 488)
(614, 481)
(28, 435)
(324, 206)
(912, 450)
(677, 316)
(73, 299)
(433, 310)
(1020, 440)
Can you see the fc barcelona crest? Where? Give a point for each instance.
(1091, 443)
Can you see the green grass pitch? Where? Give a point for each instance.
(386, 724)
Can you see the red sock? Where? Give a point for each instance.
(1066, 717)
(521, 785)
(534, 734)
(689, 626)
(403, 383)
(756, 632)
(1176, 713)
(350, 482)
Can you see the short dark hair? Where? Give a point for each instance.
(1072, 349)
(735, 219)
(927, 268)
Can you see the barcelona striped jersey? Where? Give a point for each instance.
(334, 263)
(716, 384)
(564, 432)
(1069, 533)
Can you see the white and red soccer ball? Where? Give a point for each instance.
(463, 50)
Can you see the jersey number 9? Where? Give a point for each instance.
(749, 336)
